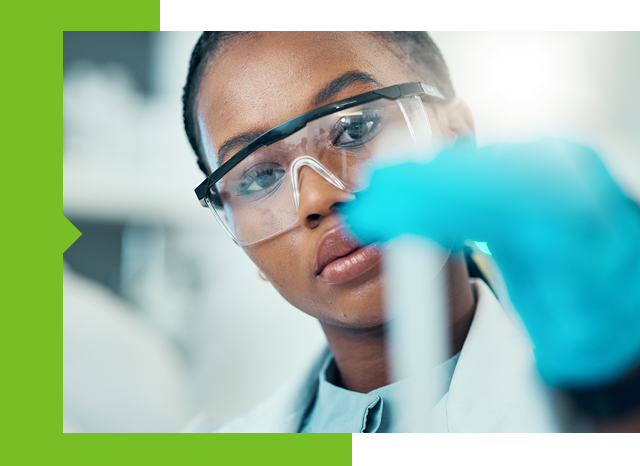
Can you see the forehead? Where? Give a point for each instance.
(260, 80)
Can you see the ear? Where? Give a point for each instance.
(456, 122)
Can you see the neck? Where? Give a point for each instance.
(361, 355)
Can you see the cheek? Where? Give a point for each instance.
(285, 262)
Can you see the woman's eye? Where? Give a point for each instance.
(356, 129)
(260, 179)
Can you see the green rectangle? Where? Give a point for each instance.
(215, 449)
(34, 236)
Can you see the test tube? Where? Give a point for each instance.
(418, 334)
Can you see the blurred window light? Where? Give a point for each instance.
(132, 50)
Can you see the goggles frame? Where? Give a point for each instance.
(290, 127)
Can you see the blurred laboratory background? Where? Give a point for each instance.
(164, 317)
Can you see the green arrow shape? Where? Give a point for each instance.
(68, 233)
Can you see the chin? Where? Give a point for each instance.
(357, 304)
(354, 320)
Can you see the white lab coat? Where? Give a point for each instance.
(495, 385)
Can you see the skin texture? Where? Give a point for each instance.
(260, 80)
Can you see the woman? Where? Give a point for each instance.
(281, 199)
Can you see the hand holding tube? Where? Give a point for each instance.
(566, 239)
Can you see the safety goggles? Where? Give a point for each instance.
(256, 193)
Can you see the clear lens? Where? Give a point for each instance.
(255, 200)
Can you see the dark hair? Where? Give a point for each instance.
(417, 51)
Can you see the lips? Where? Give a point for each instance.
(340, 258)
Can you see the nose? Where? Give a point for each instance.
(318, 198)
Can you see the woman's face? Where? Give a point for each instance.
(260, 80)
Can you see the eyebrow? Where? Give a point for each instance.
(329, 90)
(237, 141)
(341, 82)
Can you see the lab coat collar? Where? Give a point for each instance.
(285, 409)
(495, 386)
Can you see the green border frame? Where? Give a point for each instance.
(35, 235)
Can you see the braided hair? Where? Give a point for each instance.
(416, 49)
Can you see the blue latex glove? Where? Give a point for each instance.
(563, 234)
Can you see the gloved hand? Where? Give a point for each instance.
(565, 237)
